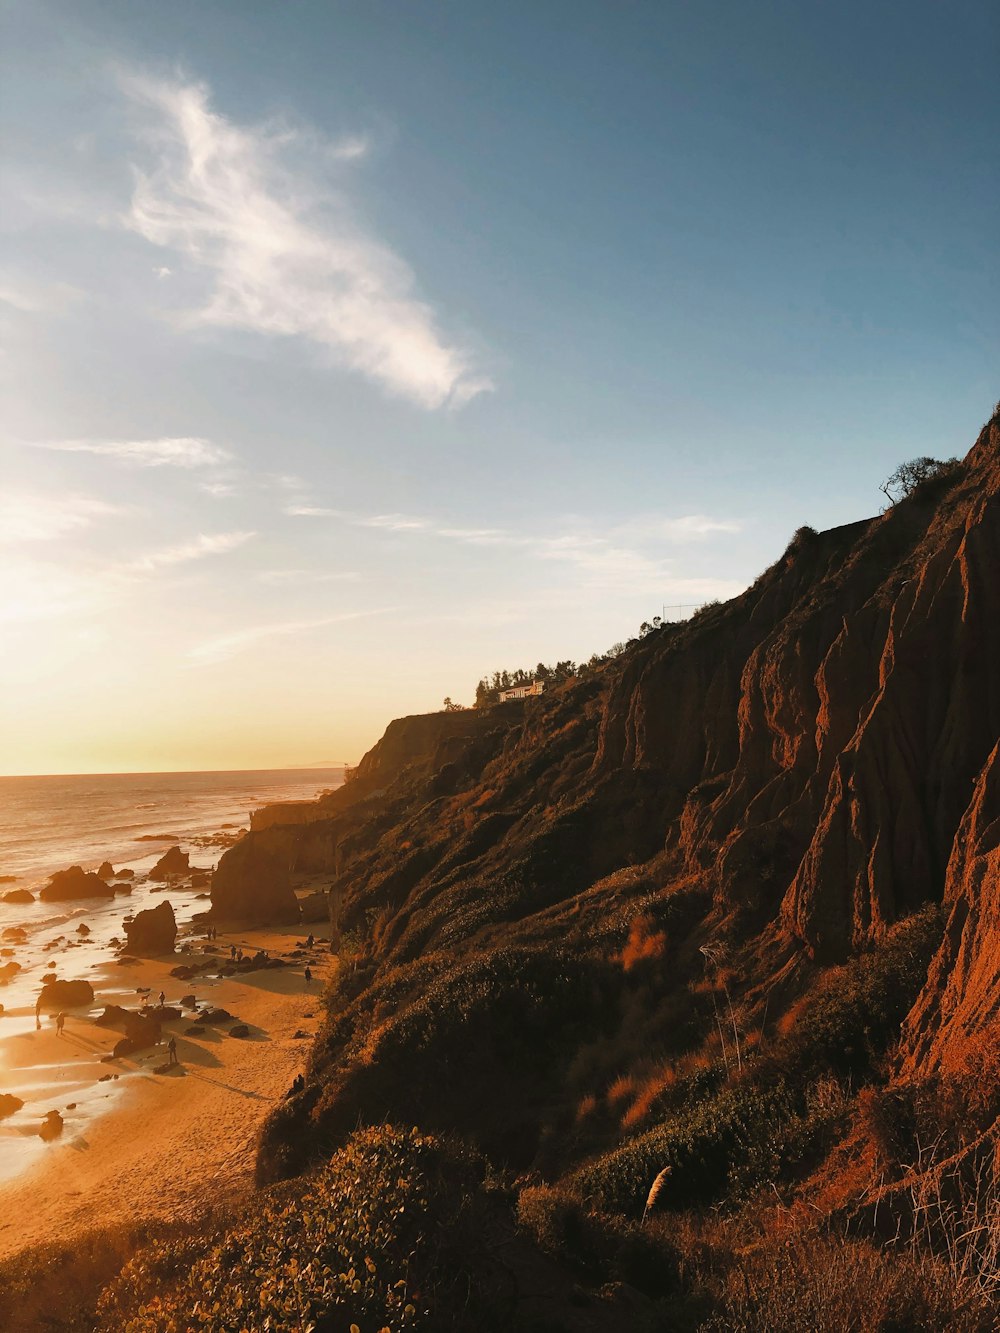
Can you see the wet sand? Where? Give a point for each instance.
(148, 1144)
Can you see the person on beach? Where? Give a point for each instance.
(309, 940)
(172, 1051)
(162, 999)
(38, 1014)
(232, 953)
(60, 1024)
(308, 975)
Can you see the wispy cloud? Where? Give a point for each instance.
(625, 556)
(33, 297)
(205, 544)
(229, 645)
(43, 518)
(280, 578)
(285, 255)
(183, 451)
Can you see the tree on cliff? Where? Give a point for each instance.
(908, 476)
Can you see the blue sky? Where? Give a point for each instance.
(355, 349)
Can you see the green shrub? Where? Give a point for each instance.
(703, 1144)
(390, 1235)
(856, 1013)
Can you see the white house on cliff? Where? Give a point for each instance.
(522, 691)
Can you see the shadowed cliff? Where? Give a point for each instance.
(655, 874)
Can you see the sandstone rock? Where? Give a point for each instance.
(113, 1016)
(7, 971)
(83, 929)
(66, 995)
(172, 862)
(153, 931)
(252, 885)
(19, 896)
(106, 870)
(214, 1016)
(240, 1030)
(51, 1127)
(66, 885)
(15, 933)
(199, 879)
(959, 1007)
(9, 1104)
(141, 1031)
(124, 873)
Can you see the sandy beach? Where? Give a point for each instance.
(166, 1144)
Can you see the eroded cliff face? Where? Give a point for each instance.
(960, 1004)
(820, 735)
(781, 779)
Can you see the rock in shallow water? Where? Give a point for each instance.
(66, 885)
(172, 862)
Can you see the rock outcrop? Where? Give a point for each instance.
(141, 1032)
(152, 932)
(66, 995)
(172, 862)
(19, 896)
(68, 885)
(251, 884)
(959, 1008)
(106, 870)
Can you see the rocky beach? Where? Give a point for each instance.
(99, 1120)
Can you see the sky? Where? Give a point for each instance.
(353, 350)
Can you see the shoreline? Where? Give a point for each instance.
(154, 1144)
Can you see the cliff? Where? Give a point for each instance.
(758, 809)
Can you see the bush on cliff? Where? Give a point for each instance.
(391, 1235)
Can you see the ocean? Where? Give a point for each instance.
(49, 823)
(129, 819)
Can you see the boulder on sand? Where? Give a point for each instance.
(19, 896)
(172, 862)
(9, 1104)
(66, 995)
(106, 870)
(141, 1030)
(252, 885)
(66, 885)
(114, 1015)
(7, 971)
(124, 873)
(152, 932)
(51, 1127)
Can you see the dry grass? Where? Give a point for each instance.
(644, 944)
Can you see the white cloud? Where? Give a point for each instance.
(286, 257)
(611, 559)
(183, 451)
(205, 544)
(279, 578)
(43, 518)
(228, 645)
(32, 297)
